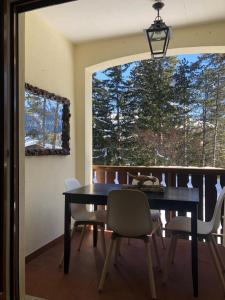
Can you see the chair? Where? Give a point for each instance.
(83, 217)
(155, 214)
(128, 215)
(182, 226)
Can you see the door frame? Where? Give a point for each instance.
(9, 141)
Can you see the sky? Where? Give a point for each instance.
(189, 57)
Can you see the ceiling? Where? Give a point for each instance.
(86, 20)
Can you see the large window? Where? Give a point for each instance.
(161, 112)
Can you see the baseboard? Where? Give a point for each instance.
(43, 249)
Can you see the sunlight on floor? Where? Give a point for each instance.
(33, 298)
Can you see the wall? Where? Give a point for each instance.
(49, 65)
(98, 55)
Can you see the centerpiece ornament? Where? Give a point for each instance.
(144, 183)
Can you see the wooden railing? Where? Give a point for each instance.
(210, 181)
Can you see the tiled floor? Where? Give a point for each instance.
(127, 281)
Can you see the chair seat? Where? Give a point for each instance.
(94, 216)
(183, 225)
(155, 214)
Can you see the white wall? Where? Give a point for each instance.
(49, 65)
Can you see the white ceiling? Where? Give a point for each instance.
(86, 20)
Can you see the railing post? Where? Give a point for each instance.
(170, 182)
(100, 174)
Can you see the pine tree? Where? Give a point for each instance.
(161, 112)
(209, 71)
(216, 66)
(152, 89)
(122, 114)
(184, 102)
(102, 123)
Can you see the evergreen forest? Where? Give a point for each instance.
(164, 112)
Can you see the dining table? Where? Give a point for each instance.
(171, 199)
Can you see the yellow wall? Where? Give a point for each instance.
(98, 55)
(49, 65)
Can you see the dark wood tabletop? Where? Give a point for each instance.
(172, 198)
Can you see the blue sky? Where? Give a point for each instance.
(190, 57)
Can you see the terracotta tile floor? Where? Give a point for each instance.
(127, 281)
(27, 297)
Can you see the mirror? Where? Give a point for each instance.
(47, 128)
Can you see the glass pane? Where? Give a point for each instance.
(158, 45)
(157, 39)
(43, 122)
(158, 35)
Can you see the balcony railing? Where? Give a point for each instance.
(210, 182)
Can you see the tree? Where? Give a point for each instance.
(152, 90)
(184, 103)
(161, 112)
(102, 123)
(209, 73)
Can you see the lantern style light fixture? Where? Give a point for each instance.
(158, 34)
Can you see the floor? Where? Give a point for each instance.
(28, 297)
(127, 281)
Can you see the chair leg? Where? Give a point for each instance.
(216, 262)
(150, 268)
(117, 250)
(168, 259)
(73, 229)
(103, 240)
(81, 237)
(119, 247)
(220, 258)
(156, 251)
(106, 265)
(128, 242)
(174, 250)
(160, 234)
(71, 234)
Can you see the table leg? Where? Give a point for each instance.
(95, 231)
(194, 250)
(95, 236)
(67, 236)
